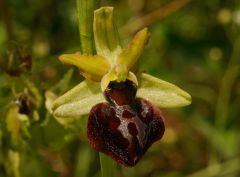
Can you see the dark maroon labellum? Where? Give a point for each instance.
(125, 127)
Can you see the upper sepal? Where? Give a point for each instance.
(106, 36)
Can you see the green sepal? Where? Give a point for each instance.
(106, 36)
(78, 101)
(78, 108)
(91, 67)
(161, 93)
(132, 52)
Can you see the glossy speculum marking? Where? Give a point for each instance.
(124, 127)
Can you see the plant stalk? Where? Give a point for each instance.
(107, 166)
(85, 13)
(85, 9)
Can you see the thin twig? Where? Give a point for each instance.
(139, 22)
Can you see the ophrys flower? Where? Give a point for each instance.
(122, 105)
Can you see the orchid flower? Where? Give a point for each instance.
(123, 106)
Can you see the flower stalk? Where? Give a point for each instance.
(85, 10)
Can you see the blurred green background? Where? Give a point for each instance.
(196, 47)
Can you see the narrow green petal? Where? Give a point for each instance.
(161, 93)
(91, 67)
(81, 91)
(132, 52)
(106, 36)
(78, 108)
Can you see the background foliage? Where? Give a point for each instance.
(197, 47)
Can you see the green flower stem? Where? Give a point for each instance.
(108, 166)
(230, 75)
(223, 99)
(85, 10)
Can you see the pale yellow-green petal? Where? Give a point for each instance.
(161, 93)
(91, 67)
(132, 52)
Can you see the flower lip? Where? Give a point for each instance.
(125, 132)
(121, 93)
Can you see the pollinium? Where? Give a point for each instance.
(124, 127)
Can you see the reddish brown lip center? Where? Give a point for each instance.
(121, 93)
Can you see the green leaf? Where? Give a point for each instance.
(106, 36)
(132, 52)
(79, 100)
(91, 67)
(161, 93)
